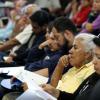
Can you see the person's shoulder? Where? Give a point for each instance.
(95, 95)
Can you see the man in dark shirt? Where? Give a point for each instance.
(52, 55)
(63, 33)
(39, 21)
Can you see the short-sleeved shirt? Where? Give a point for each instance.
(76, 76)
(96, 26)
(24, 36)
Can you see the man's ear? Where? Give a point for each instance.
(44, 27)
(67, 34)
(89, 55)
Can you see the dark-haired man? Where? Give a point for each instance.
(63, 33)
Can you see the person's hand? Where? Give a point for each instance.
(25, 87)
(46, 43)
(9, 60)
(51, 90)
(63, 61)
(89, 27)
(12, 79)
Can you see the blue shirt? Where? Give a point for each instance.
(50, 62)
(7, 31)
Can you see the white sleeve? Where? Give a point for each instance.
(12, 52)
(24, 36)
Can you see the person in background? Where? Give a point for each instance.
(7, 22)
(92, 25)
(82, 14)
(19, 39)
(52, 5)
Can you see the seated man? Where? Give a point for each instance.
(71, 80)
(63, 32)
(39, 30)
(91, 87)
(25, 34)
(21, 34)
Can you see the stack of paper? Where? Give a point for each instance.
(34, 92)
(28, 77)
(35, 95)
(33, 81)
(11, 70)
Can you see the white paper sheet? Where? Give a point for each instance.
(34, 91)
(11, 70)
(35, 95)
(30, 77)
(33, 82)
(29, 95)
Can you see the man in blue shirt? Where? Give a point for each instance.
(63, 32)
(52, 55)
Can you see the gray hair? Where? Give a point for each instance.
(87, 40)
